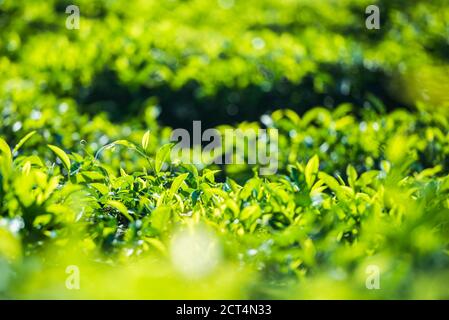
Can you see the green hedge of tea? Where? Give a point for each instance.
(318, 222)
(86, 181)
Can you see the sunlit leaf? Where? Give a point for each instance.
(62, 156)
(146, 140)
(162, 156)
(121, 208)
(23, 141)
(311, 170)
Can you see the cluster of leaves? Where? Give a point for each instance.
(355, 186)
(302, 224)
(340, 138)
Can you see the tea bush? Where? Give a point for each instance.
(86, 180)
(316, 220)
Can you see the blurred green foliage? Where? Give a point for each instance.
(221, 61)
(85, 179)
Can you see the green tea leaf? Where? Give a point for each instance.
(146, 140)
(352, 175)
(103, 189)
(252, 212)
(62, 155)
(330, 181)
(177, 183)
(311, 170)
(23, 141)
(124, 143)
(121, 208)
(5, 150)
(160, 218)
(161, 156)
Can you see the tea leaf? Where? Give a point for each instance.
(62, 156)
(311, 170)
